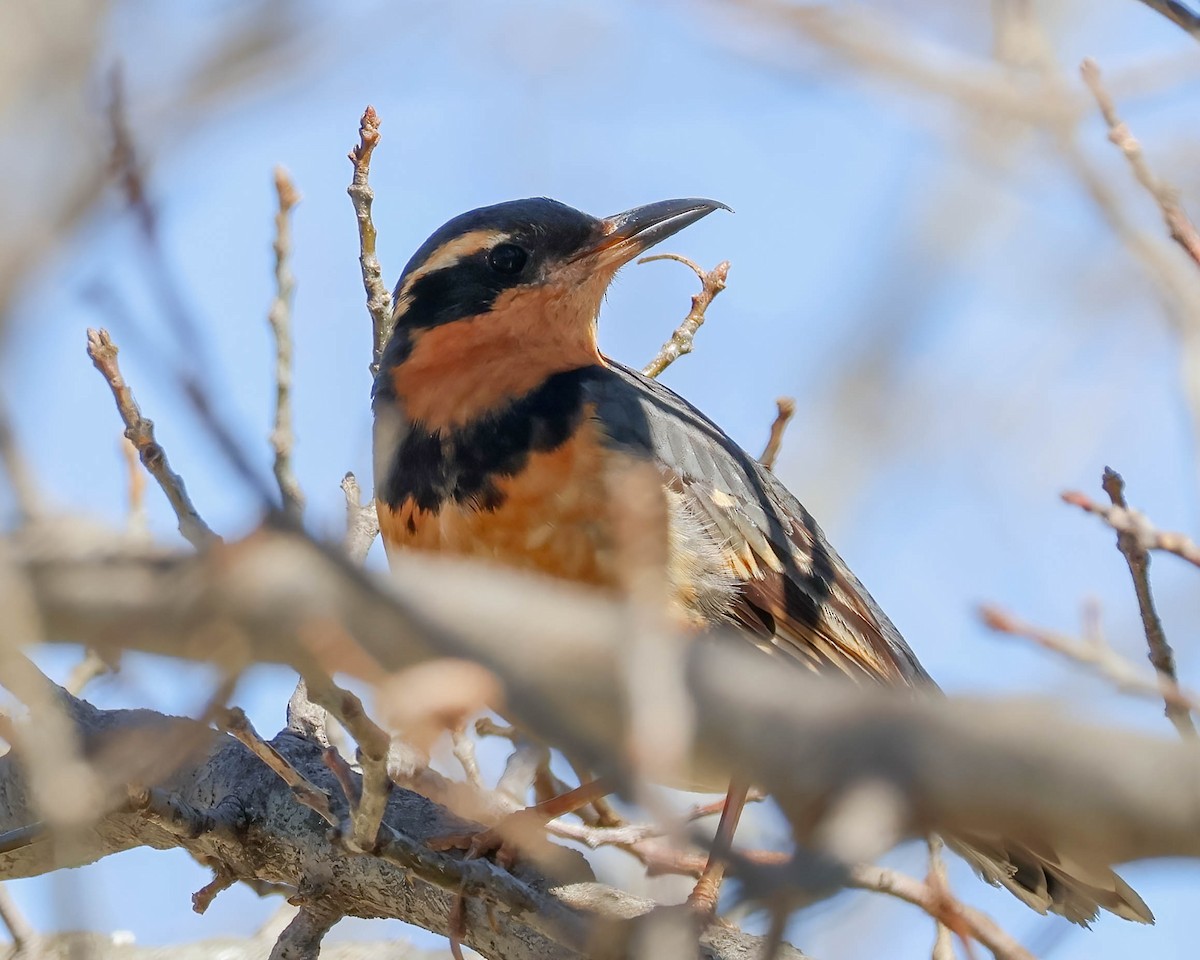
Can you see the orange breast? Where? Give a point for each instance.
(553, 518)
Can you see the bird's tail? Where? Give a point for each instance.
(1047, 881)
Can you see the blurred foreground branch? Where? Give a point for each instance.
(955, 766)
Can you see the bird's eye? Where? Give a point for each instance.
(507, 258)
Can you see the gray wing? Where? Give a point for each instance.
(793, 590)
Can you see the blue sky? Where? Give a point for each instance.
(963, 334)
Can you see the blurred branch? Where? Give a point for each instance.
(1178, 14)
(16, 468)
(785, 410)
(88, 669)
(368, 806)
(1180, 226)
(379, 299)
(362, 521)
(712, 282)
(1137, 557)
(1027, 773)
(279, 316)
(137, 523)
(964, 920)
(1133, 523)
(887, 46)
(1097, 655)
(25, 940)
(140, 432)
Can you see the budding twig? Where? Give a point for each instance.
(379, 299)
(140, 431)
(279, 316)
(712, 282)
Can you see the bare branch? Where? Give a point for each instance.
(88, 669)
(712, 282)
(1024, 772)
(279, 316)
(301, 939)
(25, 940)
(1180, 226)
(379, 298)
(1137, 557)
(235, 722)
(939, 904)
(16, 468)
(1178, 14)
(544, 916)
(1133, 523)
(137, 522)
(785, 410)
(943, 940)
(366, 809)
(1096, 655)
(140, 432)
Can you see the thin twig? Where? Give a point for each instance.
(126, 165)
(140, 432)
(785, 410)
(1180, 226)
(711, 283)
(235, 722)
(1133, 523)
(1178, 14)
(464, 752)
(938, 903)
(379, 298)
(137, 524)
(92, 665)
(362, 521)
(943, 940)
(1137, 557)
(222, 880)
(16, 467)
(1097, 655)
(373, 745)
(279, 316)
(23, 936)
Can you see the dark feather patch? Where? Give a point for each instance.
(434, 467)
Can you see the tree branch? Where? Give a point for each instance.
(279, 317)
(277, 841)
(712, 282)
(140, 432)
(1180, 226)
(960, 766)
(379, 298)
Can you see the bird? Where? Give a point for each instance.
(497, 421)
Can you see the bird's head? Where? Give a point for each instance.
(500, 298)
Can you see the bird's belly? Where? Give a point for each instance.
(552, 518)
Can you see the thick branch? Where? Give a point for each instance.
(960, 766)
(274, 839)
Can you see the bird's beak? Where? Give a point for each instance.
(625, 235)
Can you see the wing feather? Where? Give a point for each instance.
(794, 591)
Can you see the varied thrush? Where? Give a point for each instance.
(497, 419)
